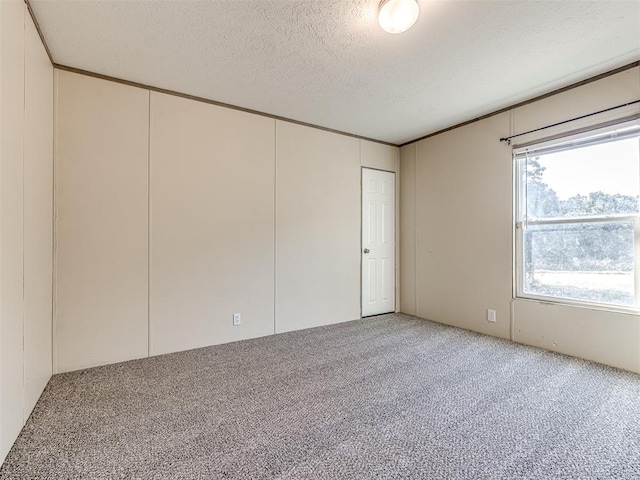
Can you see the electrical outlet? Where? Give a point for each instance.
(491, 316)
(236, 319)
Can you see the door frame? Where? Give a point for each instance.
(396, 241)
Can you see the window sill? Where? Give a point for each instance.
(566, 302)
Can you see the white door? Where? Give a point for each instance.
(378, 242)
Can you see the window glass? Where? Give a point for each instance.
(596, 180)
(578, 221)
(581, 261)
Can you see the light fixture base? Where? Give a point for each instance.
(397, 16)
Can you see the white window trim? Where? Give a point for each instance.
(578, 140)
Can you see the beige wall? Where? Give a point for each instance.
(212, 228)
(463, 227)
(607, 92)
(228, 212)
(317, 227)
(456, 222)
(102, 237)
(598, 335)
(26, 129)
(407, 216)
(11, 221)
(379, 156)
(38, 216)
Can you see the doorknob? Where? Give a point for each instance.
(366, 250)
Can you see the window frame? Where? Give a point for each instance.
(606, 134)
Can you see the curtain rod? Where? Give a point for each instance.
(508, 139)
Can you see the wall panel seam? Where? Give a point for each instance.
(398, 273)
(3, 453)
(54, 273)
(361, 213)
(275, 221)
(148, 223)
(24, 129)
(415, 228)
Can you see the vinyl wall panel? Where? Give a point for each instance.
(102, 222)
(379, 156)
(608, 337)
(12, 19)
(38, 216)
(592, 97)
(212, 224)
(317, 227)
(464, 227)
(408, 229)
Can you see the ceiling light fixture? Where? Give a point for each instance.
(397, 16)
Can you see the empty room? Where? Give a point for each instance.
(319, 239)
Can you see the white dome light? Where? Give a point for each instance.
(397, 16)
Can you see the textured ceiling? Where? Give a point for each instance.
(328, 63)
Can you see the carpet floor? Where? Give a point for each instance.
(387, 397)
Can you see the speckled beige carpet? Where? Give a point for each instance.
(387, 397)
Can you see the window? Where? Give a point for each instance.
(578, 218)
